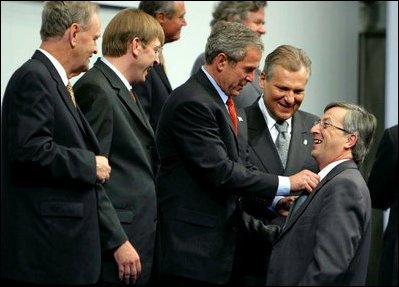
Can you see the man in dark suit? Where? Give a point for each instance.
(125, 135)
(157, 88)
(252, 15)
(383, 185)
(283, 82)
(326, 238)
(55, 214)
(203, 163)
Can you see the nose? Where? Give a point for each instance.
(315, 128)
(289, 98)
(262, 30)
(250, 77)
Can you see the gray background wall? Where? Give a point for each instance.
(327, 31)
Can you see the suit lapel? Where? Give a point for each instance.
(125, 96)
(301, 139)
(62, 91)
(261, 141)
(350, 164)
(202, 78)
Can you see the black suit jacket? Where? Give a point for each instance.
(153, 93)
(327, 241)
(52, 209)
(127, 139)
(383, 184)
(200, 177)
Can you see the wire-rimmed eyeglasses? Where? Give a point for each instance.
(322, 123)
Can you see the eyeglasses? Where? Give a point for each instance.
(323, 124)
(156, 49)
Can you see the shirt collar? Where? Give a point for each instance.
(57, 65)
(118, 73)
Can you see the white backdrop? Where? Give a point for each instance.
(327, 31)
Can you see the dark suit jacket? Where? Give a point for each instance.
(50, 203)
(127, 139)
(383, 184)
(201, 174)
(327, 241)
(264, 155)
(153, 93)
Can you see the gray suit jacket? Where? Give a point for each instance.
(127, 139)
(248, 94)
(327, 241)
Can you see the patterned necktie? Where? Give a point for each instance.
(233, 114)
(282, 141)
(71, 93)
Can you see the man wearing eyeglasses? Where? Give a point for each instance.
(326, 239)
(130, 46)
(283, 82)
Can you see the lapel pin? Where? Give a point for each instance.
(305, 141)
(240, 119)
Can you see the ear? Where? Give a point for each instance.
(351, 141)
(221, 60)
(262, 79)
(135, 46)
(160, 17)
(73, 33)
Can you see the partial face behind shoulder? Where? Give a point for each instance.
(86, 44)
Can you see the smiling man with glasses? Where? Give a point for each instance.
(132, 40)
(327, 240)
(325, 124)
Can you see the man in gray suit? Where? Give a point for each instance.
(326, 238)
(283, 81)
(131, 46)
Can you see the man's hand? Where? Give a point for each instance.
(128, 261)
(283, 205)
(305, 179)
(103, 170)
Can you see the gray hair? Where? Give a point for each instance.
(290, 58)
(154, 7)
(360, 122)
(58, 16)
(233, 39)
(235, 11)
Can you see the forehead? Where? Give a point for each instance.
(252, 57)
(179, 8)
(335, 113)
